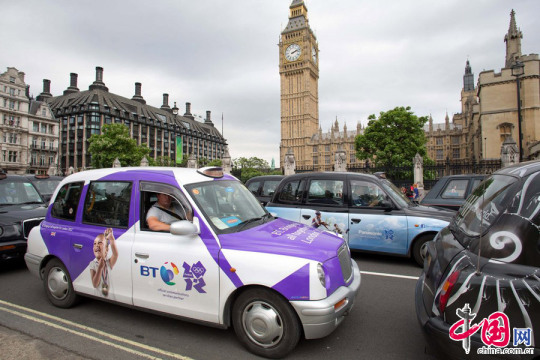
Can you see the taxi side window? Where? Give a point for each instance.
(292, 192)
(328, 192)
(254, 187)
(67, 201)
(107, 203)
(149, 191)
(366, 194)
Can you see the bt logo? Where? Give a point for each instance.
(167, 272)
(193, 274)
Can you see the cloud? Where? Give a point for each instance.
(223, 56)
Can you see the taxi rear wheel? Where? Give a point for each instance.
(265, 323)
(57, 284)
(420, 248)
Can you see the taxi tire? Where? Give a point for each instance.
(418, 247)
(268, 303)
(58, 285)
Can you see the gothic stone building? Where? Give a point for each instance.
(489, 111)
(28, 129)
(299, 79)
(163, 130)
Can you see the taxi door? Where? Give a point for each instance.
(325, 208)
(172, 273)
(372, 226)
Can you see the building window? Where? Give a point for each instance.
(439, 141)
(505, 130)
(43, 112)
(315, 160)
(455, 140)
(440, 155)
(36, 127)
(455, 153)
(327, 148)
(315, 149)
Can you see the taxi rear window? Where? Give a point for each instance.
(107, 203)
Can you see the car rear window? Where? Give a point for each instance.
(486, 203)
(455, 189)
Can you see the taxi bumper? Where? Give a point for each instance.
(319, 318)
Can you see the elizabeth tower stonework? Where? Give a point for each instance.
(299, 74)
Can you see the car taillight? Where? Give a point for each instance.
(446, 289)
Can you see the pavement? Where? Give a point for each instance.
(15, 345)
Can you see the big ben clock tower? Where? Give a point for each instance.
(299, 73)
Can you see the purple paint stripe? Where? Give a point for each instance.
(296, 285)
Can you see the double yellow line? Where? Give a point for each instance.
(114, 341)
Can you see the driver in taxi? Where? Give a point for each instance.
(164, 212)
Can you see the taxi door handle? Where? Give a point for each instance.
(307, 217)
(77, 246)
(356, 221)
(142, 256)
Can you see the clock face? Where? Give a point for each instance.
(314, 54)
(293, 52)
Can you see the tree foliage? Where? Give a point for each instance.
(246, 168)
(392, 139)
(115, 142)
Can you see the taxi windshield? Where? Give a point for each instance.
(18, 192)
(396, 195)
(228, 205)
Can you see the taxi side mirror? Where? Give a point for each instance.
(185, 227)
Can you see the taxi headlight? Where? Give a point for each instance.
(321, 274)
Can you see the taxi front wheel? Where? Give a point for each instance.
(419, 249)
(57, 284)
(265, 323)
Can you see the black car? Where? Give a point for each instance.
(479, 292)
(263, 187)
(21, 208)
(45, 184)
(451, 191)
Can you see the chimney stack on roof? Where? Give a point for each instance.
(72, 84)
(188, 111)
(165, 105)
(138, 97)
(98, 84)
(46, 91)
(208, 120)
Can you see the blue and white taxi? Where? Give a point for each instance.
(228, 262)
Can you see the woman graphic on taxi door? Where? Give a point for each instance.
(101, 266)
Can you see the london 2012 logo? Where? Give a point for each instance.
(495, 333)
(193, 276)
(167, 272)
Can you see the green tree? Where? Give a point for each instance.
(115, 142)
(246, 168)
(392, 139)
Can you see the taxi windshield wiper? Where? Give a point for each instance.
(32, 202)
(249, 221)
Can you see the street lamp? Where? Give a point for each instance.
(518, 69)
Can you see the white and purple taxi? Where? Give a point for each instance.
(228, 263)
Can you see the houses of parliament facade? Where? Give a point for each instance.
(488, 117)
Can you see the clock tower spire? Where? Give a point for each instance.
(299, 78)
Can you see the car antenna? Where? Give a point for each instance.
(481, 220)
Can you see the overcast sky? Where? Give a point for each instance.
(222, 55)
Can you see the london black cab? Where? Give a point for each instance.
(479, 294)
(21, 208)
